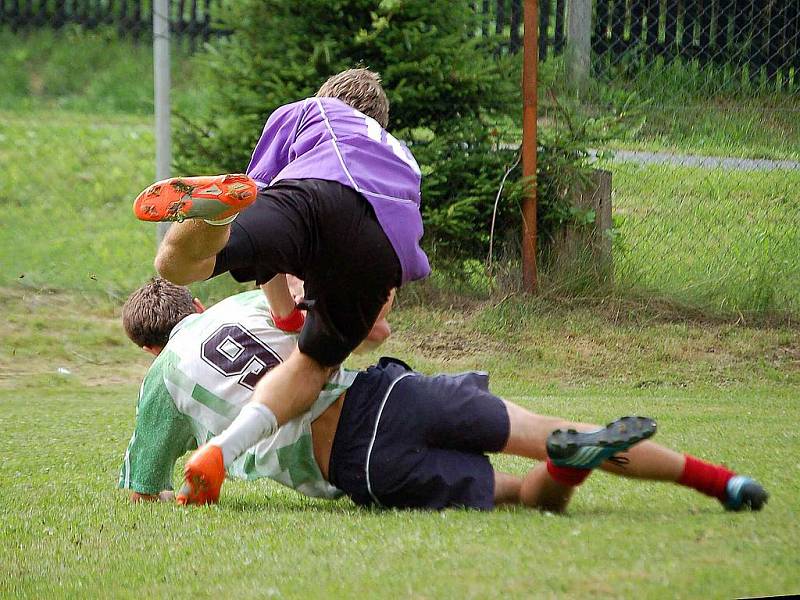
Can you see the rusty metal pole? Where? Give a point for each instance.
(530, 64)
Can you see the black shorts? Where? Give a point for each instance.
(328, 235)
(406, 440)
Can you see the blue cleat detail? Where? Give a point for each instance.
(744, 492)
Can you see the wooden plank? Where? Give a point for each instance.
(500, 17)
(135, 26)
(690, 10)
(179, 22)
(652, 12)
(793, 42)
(706, 19)
(758, 18)
(670, 28)
(775, 35)
(586, 250)
(636, 8)
(205, 33)
(579, 52)
(516, 21)
(722, 34)
(122, 19)
(544, 25)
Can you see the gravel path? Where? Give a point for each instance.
(706, 162)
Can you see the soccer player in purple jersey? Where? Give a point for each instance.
(331, 197)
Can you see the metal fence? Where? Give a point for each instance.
(705, 177)
(189, 19)
(759, 38)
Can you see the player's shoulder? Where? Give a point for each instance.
(240, 308)
(296, 107)
(253, 301)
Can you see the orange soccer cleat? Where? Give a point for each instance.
(202, 477)
(213, 197)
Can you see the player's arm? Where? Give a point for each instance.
(161, 436)
(285, 313)
(380, 331)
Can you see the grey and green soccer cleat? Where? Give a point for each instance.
(587, 450)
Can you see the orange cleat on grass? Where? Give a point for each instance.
(202, 477)
(213, 197)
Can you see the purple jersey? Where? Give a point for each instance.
(324, 138)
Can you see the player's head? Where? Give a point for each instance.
(153, 310)
(361, 89)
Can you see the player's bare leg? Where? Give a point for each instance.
(506, 488)
(646, 460)
(188, 251)
(540, 490)
(284, 393)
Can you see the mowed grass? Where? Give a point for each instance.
(66, 217)
(728, 240)
(65, 530)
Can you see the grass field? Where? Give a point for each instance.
(727, 393)
(725, 390)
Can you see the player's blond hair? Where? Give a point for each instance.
(361, 89)
(153, 310)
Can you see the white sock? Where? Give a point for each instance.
(254, 423)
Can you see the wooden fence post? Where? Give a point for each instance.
(530, 67)
(580, 250)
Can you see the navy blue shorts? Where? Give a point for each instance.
(406, 440)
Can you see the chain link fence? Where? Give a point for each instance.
(706, 195)
(694, 107)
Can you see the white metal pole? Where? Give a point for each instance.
(579, 31)
(161, 74)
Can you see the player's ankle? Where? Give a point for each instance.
(254, 423)
(567, 475)
(707, 478)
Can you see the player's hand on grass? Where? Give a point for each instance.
(165, 496)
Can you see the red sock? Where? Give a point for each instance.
(567, 475)
(705, 477)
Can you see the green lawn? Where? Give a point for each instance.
(728, 240)
(727, 393)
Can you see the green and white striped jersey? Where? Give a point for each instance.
(200, 382)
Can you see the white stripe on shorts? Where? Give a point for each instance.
(375, 433)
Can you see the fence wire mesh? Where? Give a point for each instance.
(706, 170)
(706, 186)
